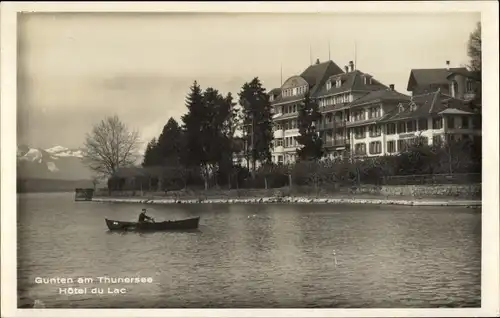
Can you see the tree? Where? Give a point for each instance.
(193, 125)
(474, 49)
(309, 115)
(169, 146)
(109, 146)
(151, 157)
(256, 122)
(208, 129)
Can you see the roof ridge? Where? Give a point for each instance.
(434, 100)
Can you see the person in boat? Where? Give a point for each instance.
(143, 217)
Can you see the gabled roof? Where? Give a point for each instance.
(474, 75)
(316, 75)
(350, 81)
(427, 105)
(382, 95)
(455, 111)
(431, 76)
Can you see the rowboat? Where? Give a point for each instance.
(187, 224)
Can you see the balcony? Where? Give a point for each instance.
(278, 134)
(291, 132)
(469, 96)
(279, 149)
(331, 125)
(335, 143)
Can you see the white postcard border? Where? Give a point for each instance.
(490, 297)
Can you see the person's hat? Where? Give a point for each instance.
(143, 210)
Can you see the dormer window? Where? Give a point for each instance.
(338, 83)
(401, 108)
(328, 85)
(271, 97)
(413, 106)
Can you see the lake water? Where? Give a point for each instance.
(273, 256)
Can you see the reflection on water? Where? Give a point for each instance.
(252, 255)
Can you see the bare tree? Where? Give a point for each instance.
(109, 146)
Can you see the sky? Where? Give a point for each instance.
(74, 69)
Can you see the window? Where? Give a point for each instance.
(328, 85)
(294, 108)
(360, 149)
(465, 122)
(358, 115)
(413, 106)
(401, 128)
(338, 83)
(451, 122)
(410, 126)
(401, 108)
(293, 124)
(359, 133)
(422, 124)
(391, 146)
(374, 112)
(271, 98)
(375, 131)
(279, 142)
(437, 123)
(436, 140)
(424, 140)
(375, 147)
(470, 87)
(391, 129)
(402, 145)
(280, 159)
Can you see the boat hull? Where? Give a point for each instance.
(188, 224)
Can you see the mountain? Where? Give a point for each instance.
(58, 162)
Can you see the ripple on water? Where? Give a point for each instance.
(282, 257)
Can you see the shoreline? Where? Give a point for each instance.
(297, 200)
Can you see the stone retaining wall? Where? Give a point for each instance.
(440, 190)
(446, 190)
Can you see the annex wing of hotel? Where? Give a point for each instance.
(362, 117)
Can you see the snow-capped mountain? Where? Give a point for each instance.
(53, 163)
(60, 151)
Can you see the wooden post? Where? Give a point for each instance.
(290, 180)
(265, 183)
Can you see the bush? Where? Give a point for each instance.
(420, 159)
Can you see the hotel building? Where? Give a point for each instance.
(363, 117)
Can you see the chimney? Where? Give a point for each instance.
(351, 66)
(392, 87)
(447, 65)
(346, 69)
(317, 61)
